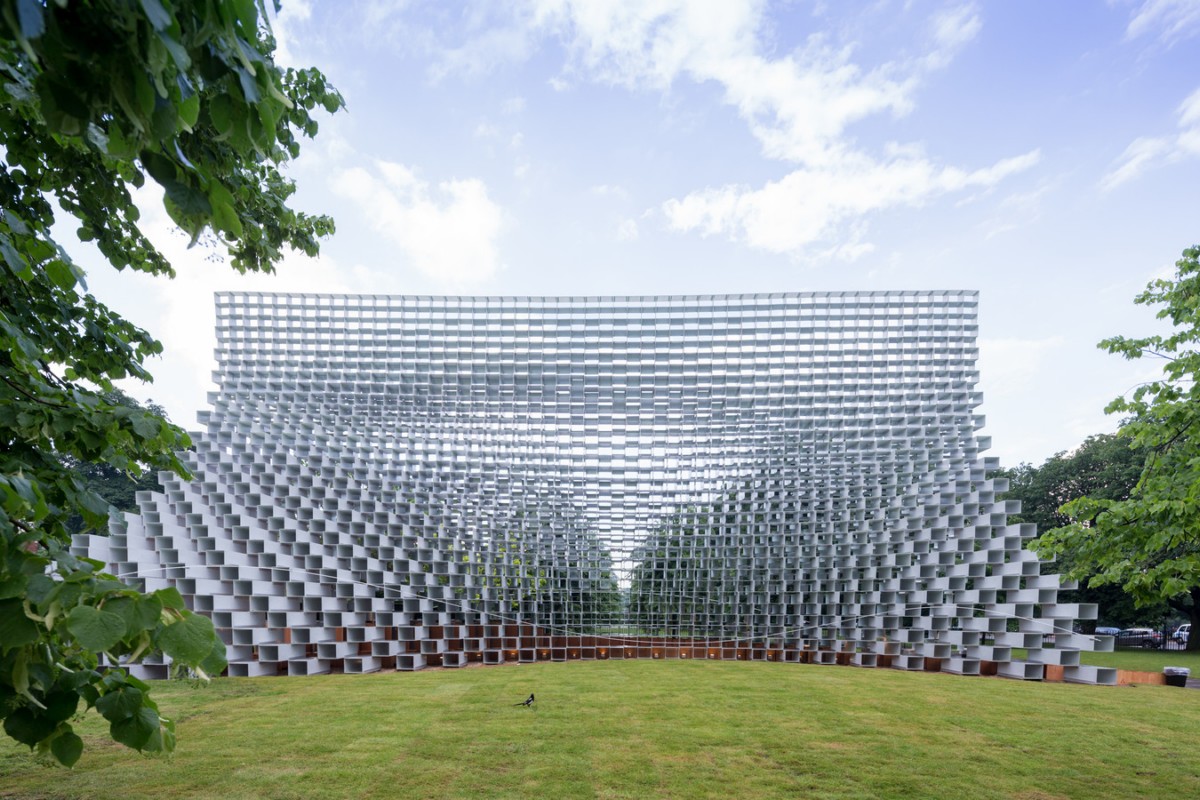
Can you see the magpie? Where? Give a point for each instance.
(528, 701)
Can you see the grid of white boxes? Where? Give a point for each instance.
(403, 482)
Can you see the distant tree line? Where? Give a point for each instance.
(1105, 466)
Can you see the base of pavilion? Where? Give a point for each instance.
(494, 645)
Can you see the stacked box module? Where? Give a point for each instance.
(401, 482)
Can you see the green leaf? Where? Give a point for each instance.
(90, 695)
(189, 640)
(182, 61)
(190, 201)
(120, 703)
(28, 727)
(170, 598)
(138, 613)
(68, 595)
(12, 259)
(145, 425)
(95, 629)
(92, 503)
(149, 610)
(67, 748)
(20, 673)
(11, 586)
(247, 14)
(61, 274)
(40, 588)
(215, 662)
(15, 223)
(135, 731)
(16, 629)
(125, 607)
(23, 487)
(144, 94)
(164, 122)
(162, 739)
(225, 218)
(161, 168)
(220, 110)
(60, 706)
(65, 98)
(189, 111)
(78, 680)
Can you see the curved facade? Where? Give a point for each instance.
(412, 481)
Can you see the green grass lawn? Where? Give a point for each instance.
(645, 729)
(1145, 660)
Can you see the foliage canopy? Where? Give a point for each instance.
(1105, 466)
(1149, 542)
(94, 98)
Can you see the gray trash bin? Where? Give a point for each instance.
(1176, 676)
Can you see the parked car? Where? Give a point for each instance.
(1107, 631)
(1182, 632)
(1139, 637)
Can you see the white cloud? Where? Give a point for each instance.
(609, 190)
(1140, 155)
(1170, 20)
(1150, 152)
(1189, 110)
(647, 43)
(953, 29)
(1028, 202)
(627, 231)
(488, 45)
(798, 106)
(849, 251)
(1017, 210)
(809, 205)
(448, 232)
(282, 24)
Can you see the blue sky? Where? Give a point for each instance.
(1046, 154)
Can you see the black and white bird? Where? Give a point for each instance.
(528, 701)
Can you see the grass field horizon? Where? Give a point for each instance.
(644, 729)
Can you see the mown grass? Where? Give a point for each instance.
(645, 729)
(1145, 660)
